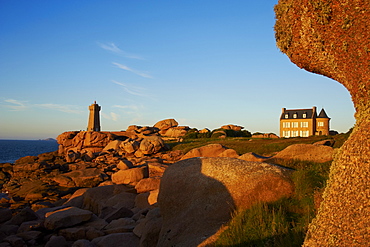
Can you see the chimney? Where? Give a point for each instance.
(283, 110)
(314, 109)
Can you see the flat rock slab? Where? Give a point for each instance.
(66, 217)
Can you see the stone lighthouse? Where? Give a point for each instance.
(94, 118)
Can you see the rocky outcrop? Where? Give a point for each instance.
(86, 146)
(331, 38)
(211, 150)
(197, 196)
(166, 124)
(265, 135)
(176, 131)
(74, 143)
(232, 127)
(169, 128)
(204, 131)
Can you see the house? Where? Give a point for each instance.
(303, 122)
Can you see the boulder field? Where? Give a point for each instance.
(133, 192)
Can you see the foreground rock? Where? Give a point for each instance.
(198, 195)
(331, 38)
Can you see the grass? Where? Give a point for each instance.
(284, 222)
(242, 145)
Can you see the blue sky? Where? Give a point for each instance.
(205, 63)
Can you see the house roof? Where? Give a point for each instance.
(298, 114)
(322, 114)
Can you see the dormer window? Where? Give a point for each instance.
(286, 115)
(295, 115)
(304, 115)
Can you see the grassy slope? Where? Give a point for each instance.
(283, 223)
(265, 147)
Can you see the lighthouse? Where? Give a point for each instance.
(94, 118)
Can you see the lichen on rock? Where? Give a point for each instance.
(332, 38)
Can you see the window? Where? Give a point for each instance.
(295, 133)
(286, 134)
(304, 124)
(304, 133)
(321, 124)
(304, 115)
(286, 115)
(295, 125)
(286, 124)
(295, 115)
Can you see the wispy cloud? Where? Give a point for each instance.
(111, 116)
(114, 116)
(62, 108)
(16, 105)
(127, 107)
(124, 67)
(116, 50)
(137, 91)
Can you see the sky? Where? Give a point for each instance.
(204, 63)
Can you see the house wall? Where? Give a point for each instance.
(297, 127)
(322, 126)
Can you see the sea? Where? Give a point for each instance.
(11, 150)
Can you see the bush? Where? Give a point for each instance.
(245, 133)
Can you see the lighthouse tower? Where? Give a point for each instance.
(94, 118)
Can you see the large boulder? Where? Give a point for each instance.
(175, 132)
(130, 176)
(130, 146)
(305, 152)
(151, 145)
(166, 124)
(197, 196)
(331, 38)
(211, 150)
(113, 146)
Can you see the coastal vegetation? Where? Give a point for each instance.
(264, 147)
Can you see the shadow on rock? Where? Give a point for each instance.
(197, 196)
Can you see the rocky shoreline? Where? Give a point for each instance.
(110, 188)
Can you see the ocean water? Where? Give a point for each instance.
(11, 150)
